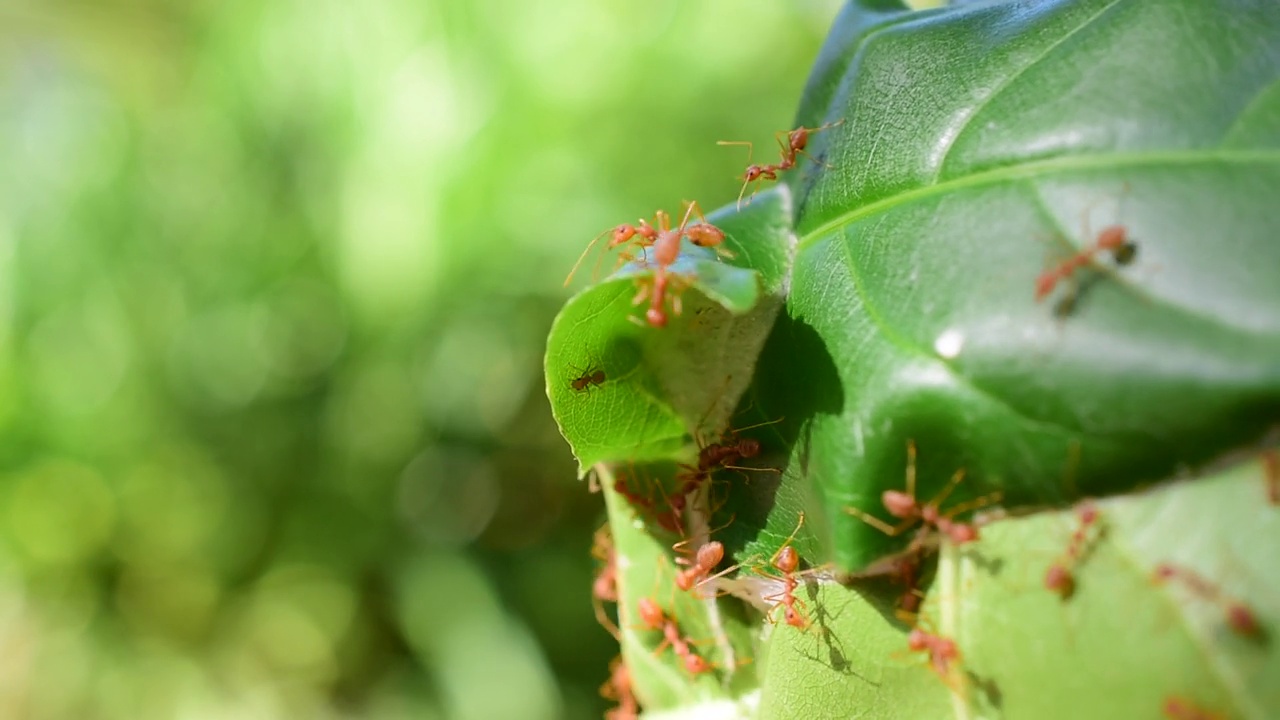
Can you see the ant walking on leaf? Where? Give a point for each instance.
(905, 507)
(1060, 577)
(1113, 239)
(794, 146)
(666, 249)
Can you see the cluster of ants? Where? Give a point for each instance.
(659, 244)
(696, 566)
(932, 526)
(664, 287)
(677, 512)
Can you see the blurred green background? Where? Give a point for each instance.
(274, 284)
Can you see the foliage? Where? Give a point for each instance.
(274, 282)
(970, 149)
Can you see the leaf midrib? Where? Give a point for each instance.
(1032, 169)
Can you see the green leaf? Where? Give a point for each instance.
(660, 383)
(977, 146)
(957, 155)
(1118, 647)
(721, 633)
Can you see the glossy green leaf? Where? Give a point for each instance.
(964, 152)
(979, 145)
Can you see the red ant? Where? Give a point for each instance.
(699, 564)
(1240, 618)
(904, 506)
(666, 248)
(1113, 239)
(667, 518)
(708, 556)
(905, 571)
(604, 588)
(1271, 471)
(643, 233)
(941, 650)
(618, 689)
(797, 141)
(731, 448)
(588, 379)
(1176, 708)
(653, 618)
(717, 456)
(787, 561)
(1059, 577)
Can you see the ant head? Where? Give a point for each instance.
(753, 173)
(1125, 253)
(918, 640)
(696, 665)
(961, 533)
(622, 234)
(1088, 514)
(1059, 580)
(748, 447)
(899, 504)
(685, 580)
(650, 613)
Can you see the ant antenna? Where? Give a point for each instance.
(583, 256)
(746, 178)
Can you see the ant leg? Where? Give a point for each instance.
(786, 543)
(603, 618)
(642, 294)
(696, 209)
(951, 485)
(784, 145)
(911, 468)
(882, 526)
(815, 160)
(974, 504)
(746, 178)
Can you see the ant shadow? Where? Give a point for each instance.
(821, 619)
(987, 690)
(984, 563)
